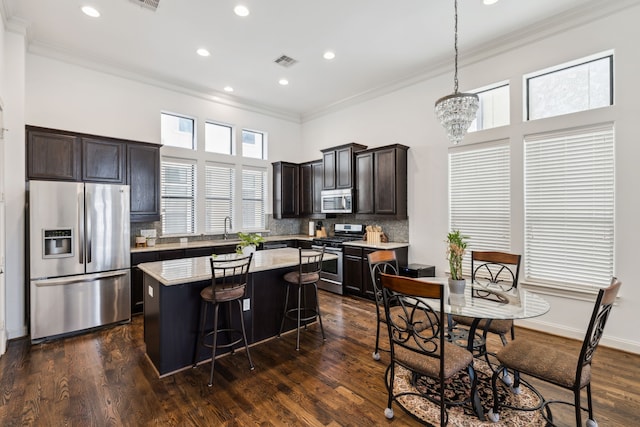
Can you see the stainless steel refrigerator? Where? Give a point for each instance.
(79, 256)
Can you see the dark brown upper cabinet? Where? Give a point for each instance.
(103, 161)
(310, 187)
(338, 166)
(381, 181)
(143, 176)
(53, 155)
(71, 156)
(286, 190)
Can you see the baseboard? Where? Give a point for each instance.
(3, 341)
(563, 331)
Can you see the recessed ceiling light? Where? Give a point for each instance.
(241, 10)
(329, 55)
(203, 52)
(228, 89)
(283, 82)
(490, 2)
(90, 11)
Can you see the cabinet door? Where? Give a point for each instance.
(143, 175)
(329, 172)
(285, 190)
(352, 275)
(367, 283)
(385, 181)
(317, 186)
(306, 189)
(344, 168)
(103, 161)
(53, 156)
(364, 183)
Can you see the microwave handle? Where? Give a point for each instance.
(344, 202)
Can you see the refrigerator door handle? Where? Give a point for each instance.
(79, 279)
(80, 237)
(89, 230)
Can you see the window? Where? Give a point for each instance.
(493, 110)
(253, 198)
(177, 131)
(253, 144)
(178, 197)
(479, 197)
(569, 207)
(569, 89)
(217, 138)
(220, 190)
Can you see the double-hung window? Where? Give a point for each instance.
(253, 198)
(220, 193)
(569, 207)
(178, 196)
(479, 196)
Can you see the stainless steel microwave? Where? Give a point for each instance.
(337, 201)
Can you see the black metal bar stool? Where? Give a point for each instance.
(307, 274)
(229, 274)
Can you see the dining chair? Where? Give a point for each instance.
(384, 261)
(498, 269)
(418, 343)
(567, 369)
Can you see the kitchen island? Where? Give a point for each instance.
(172, 303)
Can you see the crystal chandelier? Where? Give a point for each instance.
(456, 111)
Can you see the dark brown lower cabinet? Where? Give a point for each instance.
(357, 279)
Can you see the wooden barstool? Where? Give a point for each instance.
(229, 274)
(307, 274)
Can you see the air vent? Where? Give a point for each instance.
(285, 61)
(149, 4)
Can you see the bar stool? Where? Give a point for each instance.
(229, 274)
(307, 274)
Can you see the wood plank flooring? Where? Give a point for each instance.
(104, 378)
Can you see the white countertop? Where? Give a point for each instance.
(207, 243)
(187, 270)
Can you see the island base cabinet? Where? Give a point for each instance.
(172, 315)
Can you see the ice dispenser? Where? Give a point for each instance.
(58, 243)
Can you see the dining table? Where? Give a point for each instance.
(490, 301)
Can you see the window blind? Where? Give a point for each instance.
(569, 207)
(178, 197)
(479, 198)
(219, 193)
(253, 198)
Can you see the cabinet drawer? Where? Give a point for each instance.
(353, 251)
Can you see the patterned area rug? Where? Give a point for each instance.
(457, 389)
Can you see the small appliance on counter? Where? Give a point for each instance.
(418, 270)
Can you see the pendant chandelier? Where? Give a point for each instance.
(455, 112)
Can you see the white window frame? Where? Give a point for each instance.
(480, 196)
(260, 224)
(164, 198)
(200, 157)
(482, 109)
(194, 134)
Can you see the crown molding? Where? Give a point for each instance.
(592, 11)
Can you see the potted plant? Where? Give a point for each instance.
(456, 248)
(248, 242)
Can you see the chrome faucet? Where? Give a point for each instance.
(225, 226)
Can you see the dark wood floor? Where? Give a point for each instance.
(103, 378)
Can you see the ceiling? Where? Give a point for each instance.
(377, 43)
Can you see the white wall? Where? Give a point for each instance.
(406, 116)
(13, 97)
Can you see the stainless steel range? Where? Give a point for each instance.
(332, 271)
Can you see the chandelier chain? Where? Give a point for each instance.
(455, 47)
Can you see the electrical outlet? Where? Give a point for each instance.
(150, 291)
(246, 304)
